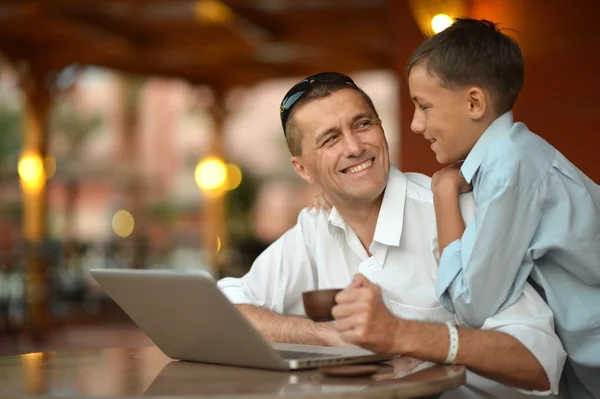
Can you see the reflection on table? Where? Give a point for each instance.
(148, 372)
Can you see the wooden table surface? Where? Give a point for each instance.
(146, 371)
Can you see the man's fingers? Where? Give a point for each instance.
(362, 295)
(347, 295)
(353, 322)
(341, 311)
(324, 203)
(354, 336)
(360, 280)
(320, 202)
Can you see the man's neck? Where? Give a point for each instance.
(362, 219)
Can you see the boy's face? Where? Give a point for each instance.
(344, 150)
(442, 115)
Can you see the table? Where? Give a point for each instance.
(146, 371)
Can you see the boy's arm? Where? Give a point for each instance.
(447, 185)
(483, 267)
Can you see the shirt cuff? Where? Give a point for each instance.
(545, 350)
(450, 267)
(237, 293)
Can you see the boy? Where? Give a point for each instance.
(537, 215)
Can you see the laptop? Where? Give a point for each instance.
(188, 318)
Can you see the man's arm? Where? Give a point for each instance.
(274, 287)
(275, 327)
(363, 319)
(491, 354)
(483, 268)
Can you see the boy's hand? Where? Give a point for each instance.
(362, 318)
(450, 180)
(321, 202)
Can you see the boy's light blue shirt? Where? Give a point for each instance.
(538, 215)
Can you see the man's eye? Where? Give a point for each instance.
(330, 139)
(423, 107)
(364, 124)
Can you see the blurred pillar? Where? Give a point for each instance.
(129, 159)
(214, 234)
(34, 196)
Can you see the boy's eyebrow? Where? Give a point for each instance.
(333, 129)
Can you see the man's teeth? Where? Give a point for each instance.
(362, 166)
(432, 140)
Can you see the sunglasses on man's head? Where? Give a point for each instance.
(298, 90)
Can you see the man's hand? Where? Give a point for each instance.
(450, 180)
(362, 318)
(321, 202)
(331, 336)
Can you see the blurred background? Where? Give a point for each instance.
(146, 134)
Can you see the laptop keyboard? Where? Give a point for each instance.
(294, 355)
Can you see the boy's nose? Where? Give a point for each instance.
(417, 126)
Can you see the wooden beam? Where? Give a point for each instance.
(99, 37)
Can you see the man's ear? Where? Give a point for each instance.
(301, 170)
(478, 102)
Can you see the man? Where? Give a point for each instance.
(380, 237)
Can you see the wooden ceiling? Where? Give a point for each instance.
(222, 43)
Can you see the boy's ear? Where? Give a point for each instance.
(301, 170)
(478, 101)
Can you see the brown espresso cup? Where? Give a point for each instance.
(318, 303)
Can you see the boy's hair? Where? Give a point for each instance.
(293, 136)
(475, 52)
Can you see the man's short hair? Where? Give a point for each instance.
(317, 90)
(475, 52)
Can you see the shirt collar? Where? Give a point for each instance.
(391, 214)
(473, 161)
(336, 219)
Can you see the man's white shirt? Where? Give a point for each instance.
(321, 251)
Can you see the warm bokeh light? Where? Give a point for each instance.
(50, 166)
(31, 171)
(234, 176)
(210, 174)
(440, 22)
(212, 11)
(219, 244)
(32, 357)
(123, 223)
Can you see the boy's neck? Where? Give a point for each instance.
(483, 124)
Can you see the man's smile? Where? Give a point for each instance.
(359, 167)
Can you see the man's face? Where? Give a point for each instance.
(442, 116)
(344, 150)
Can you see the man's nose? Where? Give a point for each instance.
(354, 146)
